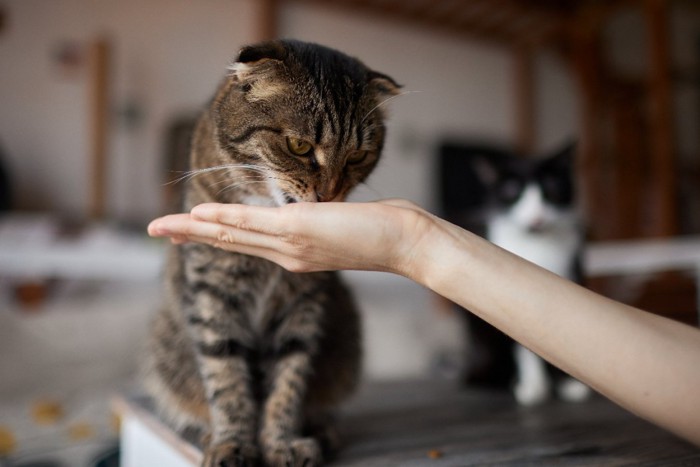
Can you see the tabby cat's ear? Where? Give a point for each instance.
(258, 60)
(265, 51)
(383, 84)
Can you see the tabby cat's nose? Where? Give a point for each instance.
(329, 190)
(323, 196)
(327, 196)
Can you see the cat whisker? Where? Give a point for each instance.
(233, 186)
(253, 167)
(385, 101)
(247, 179)
(229, 181)
(193, 173)
(243, 177)
(180, 179)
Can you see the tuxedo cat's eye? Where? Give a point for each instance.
(557, 191)
(357, 156)
(509, 191)
(298, 147)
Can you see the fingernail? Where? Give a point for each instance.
(155, 229)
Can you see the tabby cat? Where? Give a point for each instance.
(254, 356)
(532, 213)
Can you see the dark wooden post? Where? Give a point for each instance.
(585, 63)
(664, 214)
(268, 19)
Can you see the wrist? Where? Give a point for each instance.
(445, 256)
(420, 251)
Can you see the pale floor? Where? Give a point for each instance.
(68, 357)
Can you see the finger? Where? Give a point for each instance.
(220, 235)
(295, 223)
(181, 228)
(161, 227)
(265, 220)
(291, 263)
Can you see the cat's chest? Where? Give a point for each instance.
(273, 292)
(244, 284)
(554, 249)
(270, 288)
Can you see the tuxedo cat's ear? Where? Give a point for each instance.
(568, 151)
(485, 168)
(563, 159)
(383, 84)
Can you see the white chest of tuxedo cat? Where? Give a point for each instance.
(554, 249)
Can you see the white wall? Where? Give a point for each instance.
(556, 119)
(168, 57)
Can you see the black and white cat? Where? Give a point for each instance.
(531, 211)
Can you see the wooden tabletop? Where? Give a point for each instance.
(411, 423)
(435, 423)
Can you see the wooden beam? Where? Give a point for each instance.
(630, 196)
(445, 9)
(454, 26)
(3, 18)
(665, 216)
(268, 19)
(99, 58)
(585, 63)
(524, 83)
(501, 20)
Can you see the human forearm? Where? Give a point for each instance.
(646, 363)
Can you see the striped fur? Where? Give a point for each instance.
(251, 355)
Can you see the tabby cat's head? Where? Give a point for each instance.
(303, 119)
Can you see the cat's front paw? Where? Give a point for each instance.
(230, 454)
(300, 452)
(531, 392)
(573, 390)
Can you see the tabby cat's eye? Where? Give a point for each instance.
(357, 157)
(298, 147)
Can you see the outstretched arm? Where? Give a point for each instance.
(645, 363)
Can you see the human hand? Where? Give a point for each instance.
(305, 237)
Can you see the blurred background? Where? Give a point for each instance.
(97, 98)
